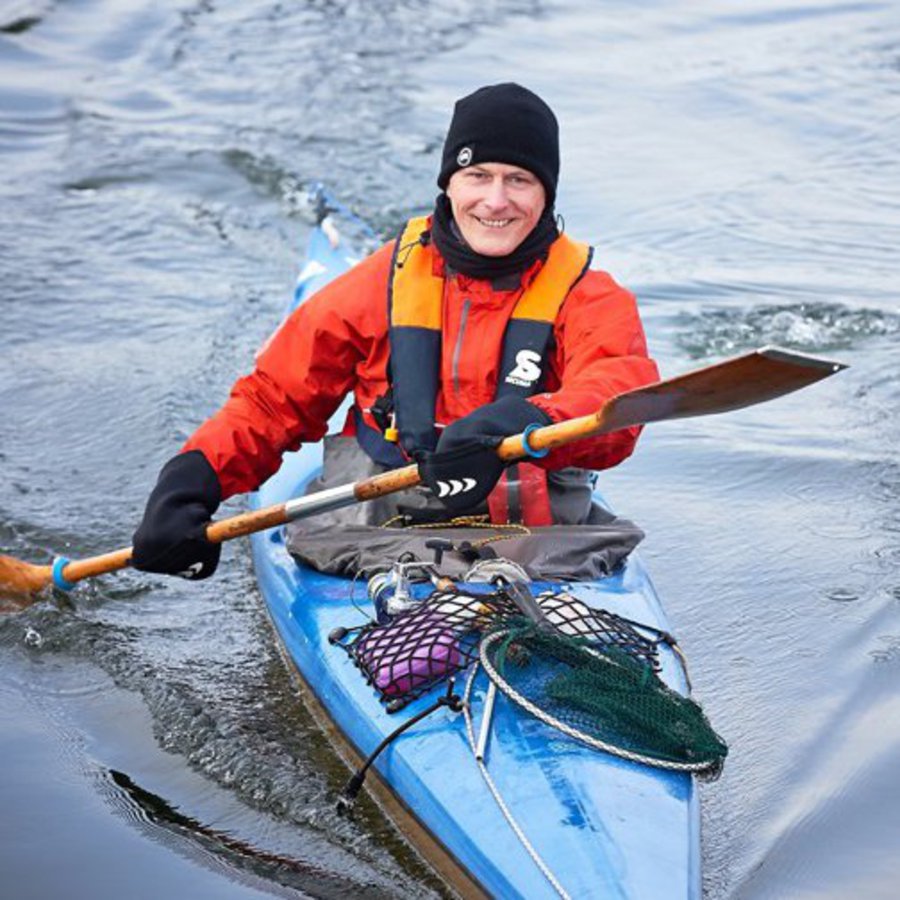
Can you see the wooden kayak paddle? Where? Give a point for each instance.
(732, 384)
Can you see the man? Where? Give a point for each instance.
(477, 322)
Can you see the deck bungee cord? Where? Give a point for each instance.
(478, 747)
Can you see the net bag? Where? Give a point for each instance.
(424, 646)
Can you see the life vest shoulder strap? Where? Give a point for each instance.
(566, 264)
(523, 359)
(415, 309)
(415, 291)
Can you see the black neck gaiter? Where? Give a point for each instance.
(460, 257)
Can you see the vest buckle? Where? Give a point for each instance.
(382, 411)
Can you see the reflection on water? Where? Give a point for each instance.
(152, 813)
(738, 168)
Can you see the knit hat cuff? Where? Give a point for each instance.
(503, 123)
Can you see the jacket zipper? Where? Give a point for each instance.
(457, 350)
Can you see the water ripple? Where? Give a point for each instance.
(805, 326)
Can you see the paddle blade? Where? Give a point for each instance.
(20, 582)
(733, 384)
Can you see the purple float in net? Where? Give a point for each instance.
(403, 658)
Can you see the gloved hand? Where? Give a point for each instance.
(170, 539)
(464, 467)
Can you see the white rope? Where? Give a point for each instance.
(482, 767)
(597, 744)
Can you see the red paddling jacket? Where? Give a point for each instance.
(580, 332)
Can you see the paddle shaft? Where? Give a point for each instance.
(733, 384)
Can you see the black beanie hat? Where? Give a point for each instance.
(503, 123)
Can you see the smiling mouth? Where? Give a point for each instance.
(493, 223)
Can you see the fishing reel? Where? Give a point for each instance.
(391, 592)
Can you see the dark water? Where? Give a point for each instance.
(739, 167)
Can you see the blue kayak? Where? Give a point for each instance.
(570, 821)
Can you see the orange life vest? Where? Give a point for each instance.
(415, 305)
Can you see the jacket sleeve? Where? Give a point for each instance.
(601, 351)
(302, 374)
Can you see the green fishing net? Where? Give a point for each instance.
(602, 695)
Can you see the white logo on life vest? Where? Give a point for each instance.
(192, 571)
(527, 370)
(464, 157)
(455, 486)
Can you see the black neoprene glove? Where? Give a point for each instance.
(464, 467)
(170, 539)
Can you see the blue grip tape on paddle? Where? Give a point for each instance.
(536, 454)
(58, 578)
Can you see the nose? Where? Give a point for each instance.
(496, 197)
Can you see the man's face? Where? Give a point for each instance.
(495, 206)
